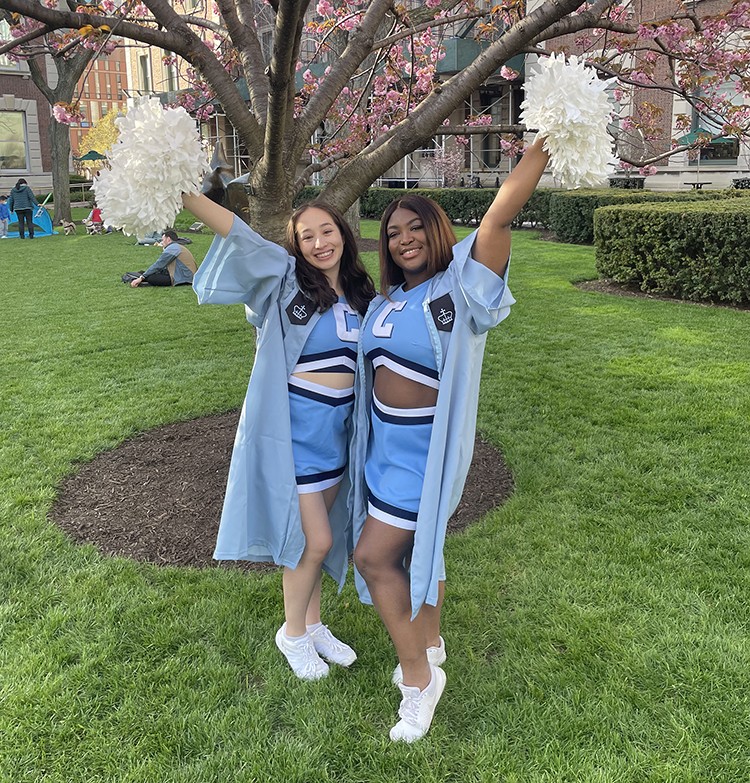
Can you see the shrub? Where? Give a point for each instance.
(697, 251)
(571, 213)
(308, 193)
(462, 205)
(536, 209)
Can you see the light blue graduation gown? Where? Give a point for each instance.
(481, 299)
(260, 519)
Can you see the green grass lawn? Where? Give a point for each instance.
(597, 624)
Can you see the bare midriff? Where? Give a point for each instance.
(331, 380)
(396, 391)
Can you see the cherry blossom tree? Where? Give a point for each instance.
(70, 53)
(351, 86)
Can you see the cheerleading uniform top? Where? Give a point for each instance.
(397, 337)
(332, 344)
(320, 412)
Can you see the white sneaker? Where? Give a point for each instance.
(305, 662)
(331, 648)
(435, 656)
(417, 708)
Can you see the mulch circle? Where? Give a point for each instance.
(157, 498)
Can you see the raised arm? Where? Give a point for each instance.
(216, 217)
(492, 245)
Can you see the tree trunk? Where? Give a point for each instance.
(69, 71)
(60, 139)
(269, 209)
(352, 218)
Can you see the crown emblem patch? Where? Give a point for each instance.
(443, 313)
(299, 310)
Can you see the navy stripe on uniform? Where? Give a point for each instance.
(376, 353)
(391, 419)
(316, 477)
(410, 516)
(335, 354)
(311, 395)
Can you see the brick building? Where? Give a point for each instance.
(717, 164)
(24, 128)
(102, 88)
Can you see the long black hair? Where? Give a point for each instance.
(357, 285)
(20, 182)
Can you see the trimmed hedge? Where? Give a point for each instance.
(697, 251)
(308, 193)
(462, 205)
(571, 213)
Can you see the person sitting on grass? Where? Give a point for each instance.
(175, 266)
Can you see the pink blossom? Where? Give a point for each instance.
(66, 114)
(479, 120)
(639, 77)
(648, 171)
(324, 8)
(508, 73)
(620, 13)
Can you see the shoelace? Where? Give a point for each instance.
(325, 638)
(409, 709)
(312, 665)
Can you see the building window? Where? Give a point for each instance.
(13, 140)
(170, 71)
(5, 36)
(721, 149)
(144, 72)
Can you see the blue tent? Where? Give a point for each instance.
(42, 223)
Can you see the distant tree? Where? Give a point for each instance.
(101, 137)
(38, 46)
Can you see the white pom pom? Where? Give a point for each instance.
(568, 105)
(157, 157)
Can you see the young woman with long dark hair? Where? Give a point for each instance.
(286, 493)
(421, 348)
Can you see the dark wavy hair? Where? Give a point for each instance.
(357, 285)
(440, 238)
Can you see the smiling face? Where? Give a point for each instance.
(408, 246)
(320, 240)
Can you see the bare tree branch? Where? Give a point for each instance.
(239, 22)
(315, 167)
(281, 80)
